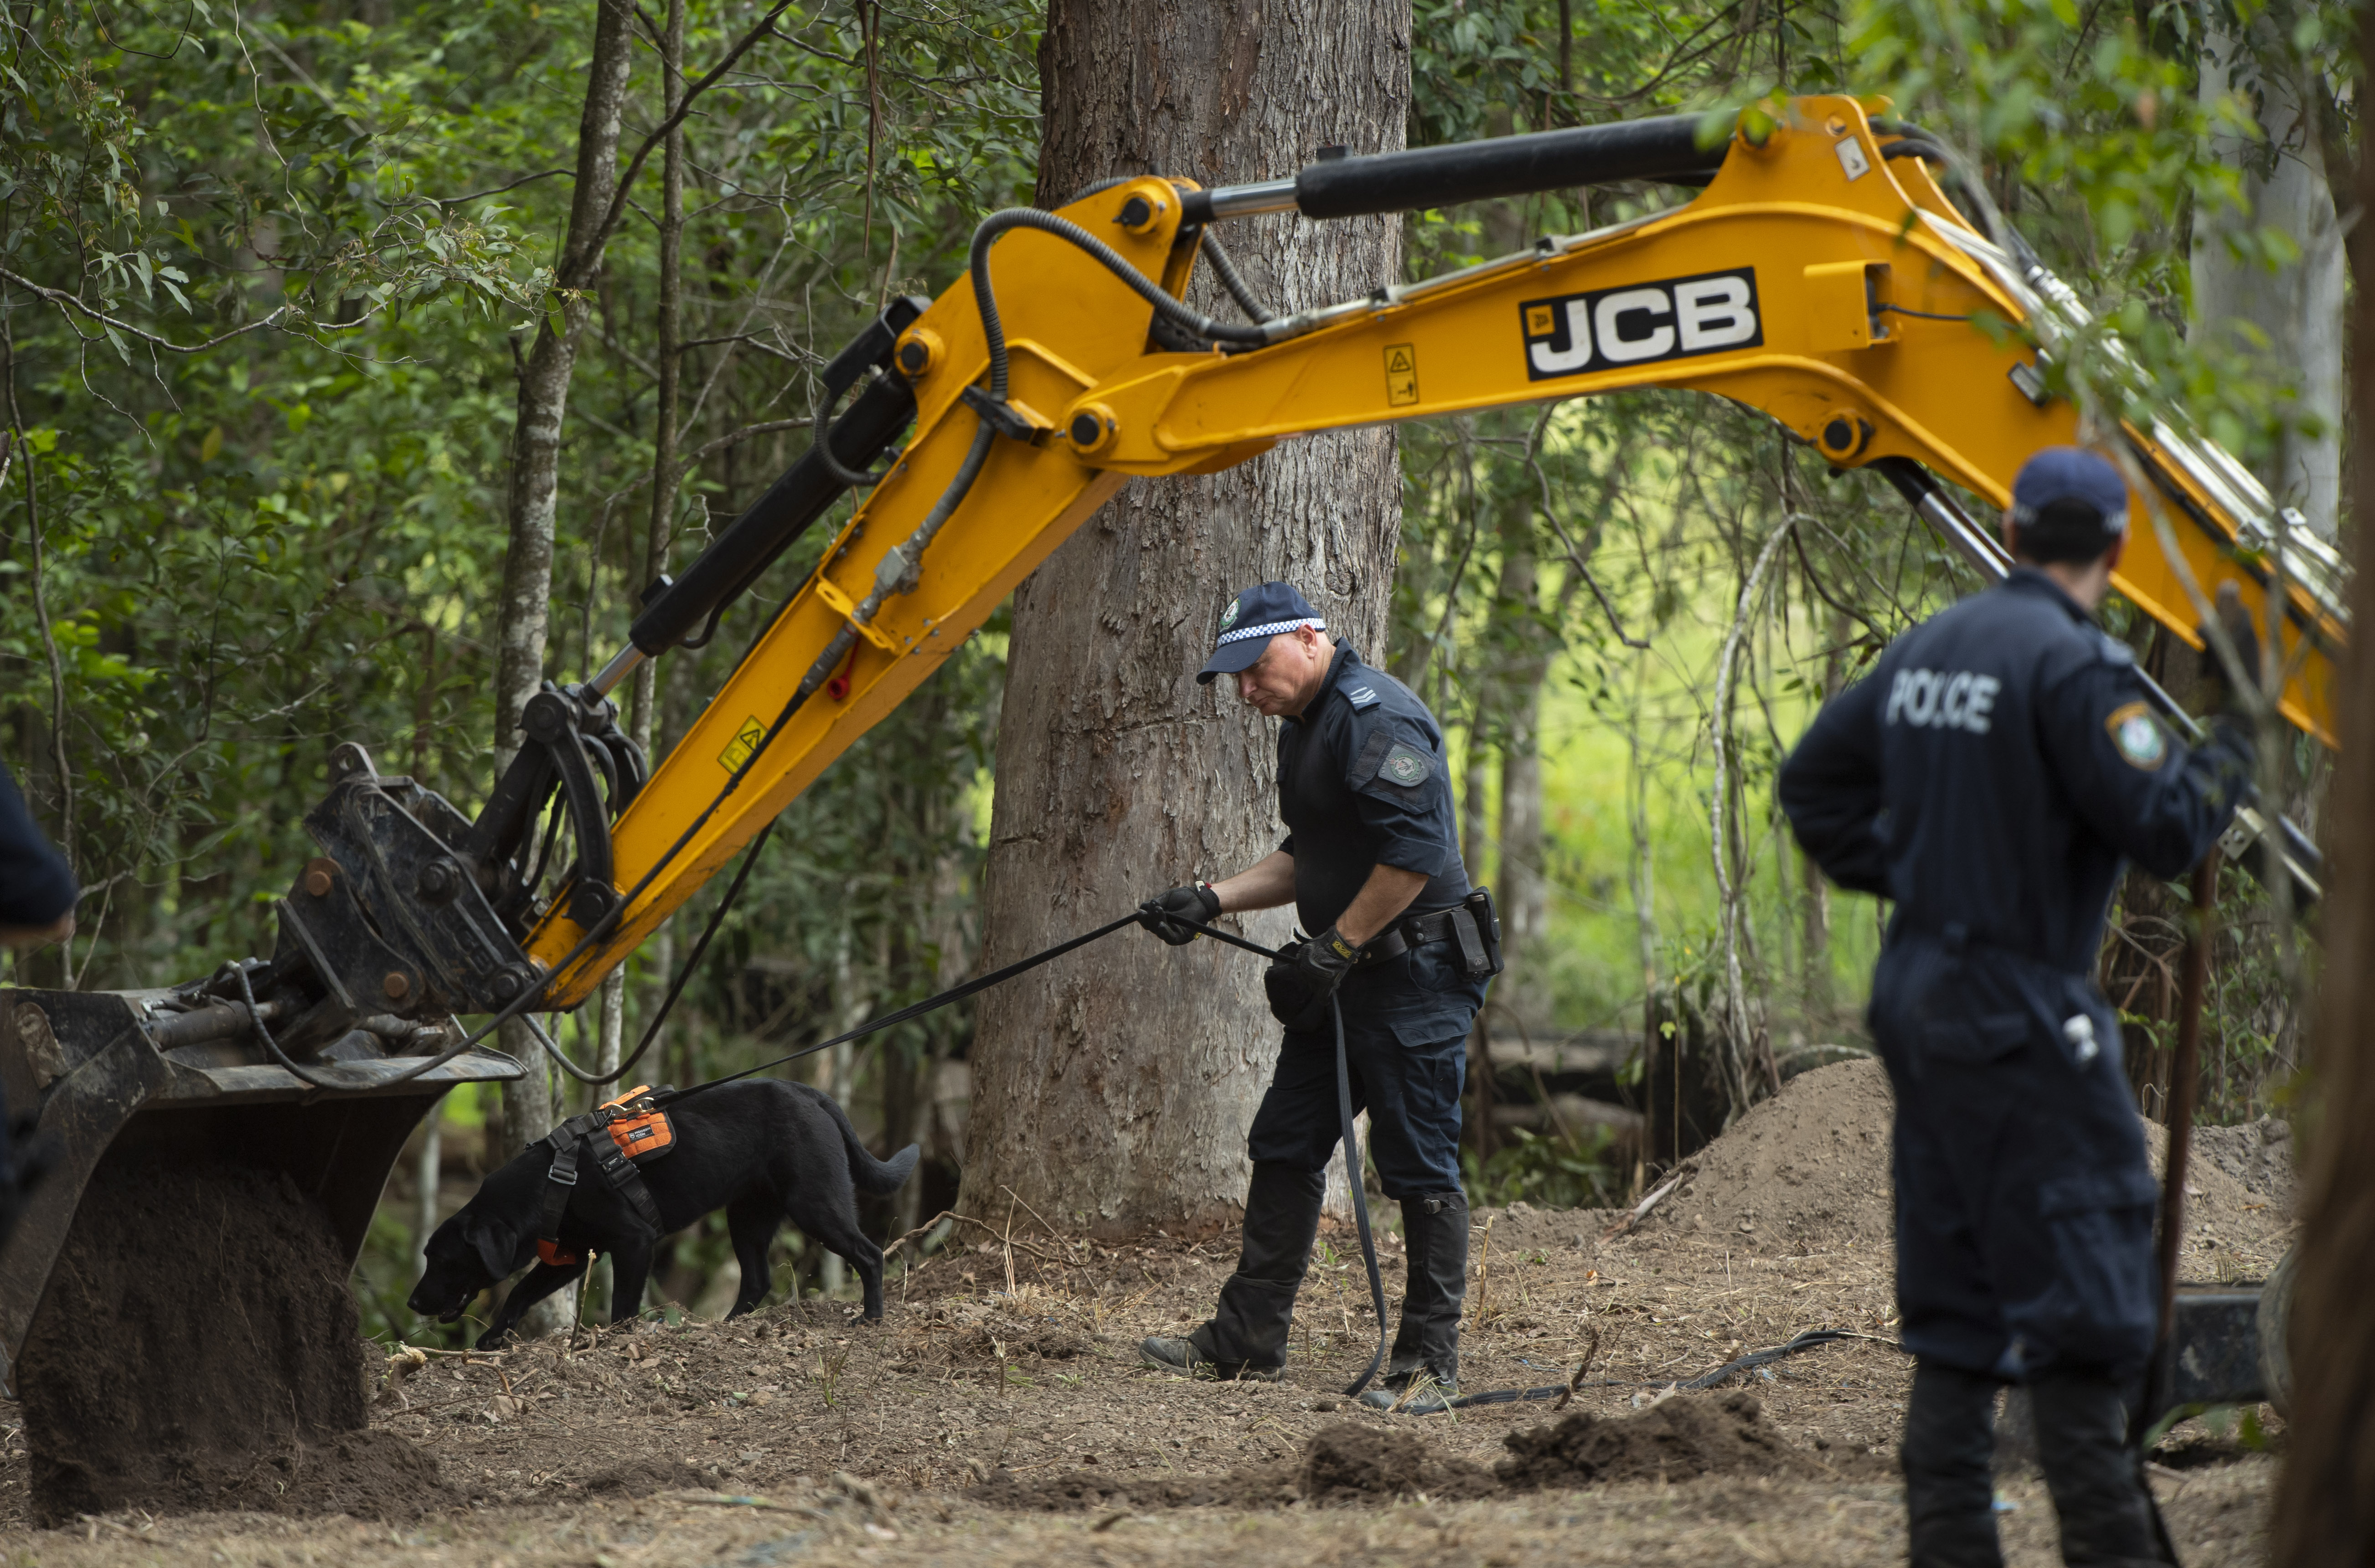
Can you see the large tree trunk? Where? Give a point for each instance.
(544, 380)
(2325, 1505)
(2299, 306)
(1113, 1089)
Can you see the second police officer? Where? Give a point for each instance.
(1371, 863)
(1991, 776)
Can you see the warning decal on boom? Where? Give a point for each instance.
(746, 740)
(1641, 324)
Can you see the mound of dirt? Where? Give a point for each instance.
(1675, 1439)
(370, 1475)
(2257, 1155)
(1809, 1166)
(1342, 1464)
(1360, 1464)
(136, 1393)
(2239, 1193)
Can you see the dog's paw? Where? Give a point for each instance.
(493, 1340)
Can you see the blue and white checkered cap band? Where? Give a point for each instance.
(2025, 516)
(1269, 629)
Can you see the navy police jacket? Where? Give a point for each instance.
(1995, 770)
(1363, 781)
(36, 886)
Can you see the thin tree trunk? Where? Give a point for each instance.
(643, 695)
(1113, 1089)
(2299, 306)
(2325, 1503)
(526, 614)
(433, 1161)
(1523, 895)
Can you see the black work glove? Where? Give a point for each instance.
(1195, 902)
(2235, 619)
(1305, 975)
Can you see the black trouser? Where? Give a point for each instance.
(2098, 1493)
(1249, 1326)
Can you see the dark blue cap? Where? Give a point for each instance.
(1252, 618)
(2064, 480)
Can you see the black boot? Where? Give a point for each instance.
(2099, 1490)
(1434, 1230)
(1246, 1336)
(1949, 1449)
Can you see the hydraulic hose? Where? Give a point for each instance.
(895, 575)
(1226, 269)
(999, 224)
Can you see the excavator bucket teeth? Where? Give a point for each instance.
(114, 1098)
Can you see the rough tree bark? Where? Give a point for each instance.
(2325, 1503)
(1113, 1089)
(544, 377)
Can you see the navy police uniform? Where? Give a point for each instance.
(1363, 781)
(36, 889)
(1991, 777)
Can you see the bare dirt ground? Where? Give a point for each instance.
(998, 1411)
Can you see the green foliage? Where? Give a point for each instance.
(1584, 1171)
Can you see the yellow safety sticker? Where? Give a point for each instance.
(1401, 375)
(746, 741)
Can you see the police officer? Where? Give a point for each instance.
(37, 907)
(1371, 863)
(1991, 776)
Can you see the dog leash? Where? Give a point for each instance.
(1022, 966)
(918, 1009)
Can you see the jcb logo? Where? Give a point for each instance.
(1641, 324)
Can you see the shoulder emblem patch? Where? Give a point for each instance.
(1229, 616)
(1363, 697)
(2137, 736)
(1406, 765)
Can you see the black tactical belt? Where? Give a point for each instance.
(1458, 925)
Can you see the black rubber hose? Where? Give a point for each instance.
(1226, 269)
(997, 224)
(1360, 1195)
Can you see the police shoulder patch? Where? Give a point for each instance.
(1363, 697)
(2137, 736)
(1406, 765)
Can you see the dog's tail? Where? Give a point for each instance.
(877, 1177)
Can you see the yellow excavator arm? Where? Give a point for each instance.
(1823, 274)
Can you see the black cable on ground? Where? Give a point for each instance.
(1360, 1195)
(1749, 1363)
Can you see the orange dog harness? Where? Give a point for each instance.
(639, 1132)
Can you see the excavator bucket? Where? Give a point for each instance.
(137, 1082)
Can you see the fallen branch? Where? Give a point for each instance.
(968, 1219)
(1688, 1169)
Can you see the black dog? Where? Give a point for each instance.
(763, 1150)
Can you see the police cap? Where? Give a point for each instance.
(2069, 504)
(1251, 619)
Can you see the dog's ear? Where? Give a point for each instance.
(495, 1245)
